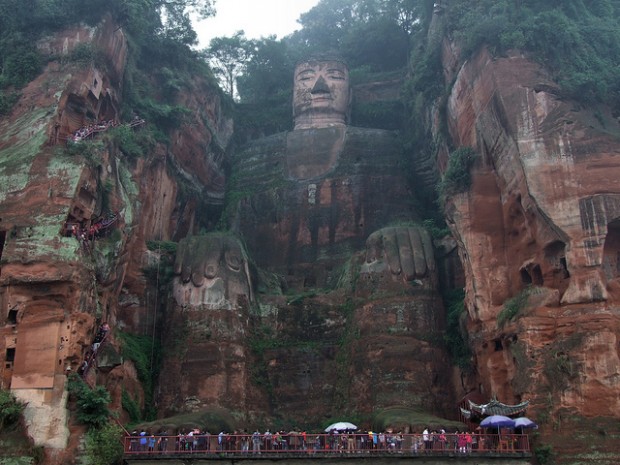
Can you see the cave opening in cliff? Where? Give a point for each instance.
(10, 354)
(557, 273)
(532, 274)
(564, 267)
(525, 277)
(611, 251)
(12, 317)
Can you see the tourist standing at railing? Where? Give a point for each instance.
(474, 441)
(399, 440)
(462, 442)
(195, 438)
(428, 444)
(142, 440)
(416, 444)
(162, 442)
(442, 439)
(256, 442)
(268, 440)
(181, 440)
(245, 443)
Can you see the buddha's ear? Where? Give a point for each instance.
(349, 106)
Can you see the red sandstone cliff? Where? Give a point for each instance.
(539, 226)
(54, 289)
(541, 218)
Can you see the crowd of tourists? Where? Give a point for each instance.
(425, 442)
(91, 355)
(93, 231)
(91, 129)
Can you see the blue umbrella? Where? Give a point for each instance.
(497, 421)
(524, 422)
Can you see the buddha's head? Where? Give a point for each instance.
(321, 93)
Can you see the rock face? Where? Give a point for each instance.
(55, 290)
(207, 361)
(538, 236)
(47, 291)
(323, 298)
(309, 198)
(357, 330)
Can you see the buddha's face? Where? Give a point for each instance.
(321, 94)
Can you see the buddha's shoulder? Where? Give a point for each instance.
(372, 134)
(265, 144)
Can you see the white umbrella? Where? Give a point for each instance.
(341, 426)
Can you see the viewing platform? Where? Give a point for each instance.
(509, 449)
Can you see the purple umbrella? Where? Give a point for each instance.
(497, 421)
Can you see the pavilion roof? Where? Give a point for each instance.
(494, 407)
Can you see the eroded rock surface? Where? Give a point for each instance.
(56, 289)
(538, 236)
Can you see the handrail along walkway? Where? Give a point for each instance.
(294, 445)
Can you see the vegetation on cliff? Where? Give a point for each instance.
(577, 40)
(92, 407)
(92, 403)
(457, 177)
(372, 36)
(10, 410)
(160, 32)
(145, 353)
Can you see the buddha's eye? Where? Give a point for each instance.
(336, 75)
(305, 76)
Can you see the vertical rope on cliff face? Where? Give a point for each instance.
(156, 298)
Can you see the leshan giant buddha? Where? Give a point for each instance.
(311, 196)
(306, 203)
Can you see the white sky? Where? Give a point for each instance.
(258, 18)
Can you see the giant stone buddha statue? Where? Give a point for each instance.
(311, 196)
(304, 203)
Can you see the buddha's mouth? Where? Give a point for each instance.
(321, 98)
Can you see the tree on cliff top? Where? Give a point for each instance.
(160, 29)
(169, 19)
(228, 57)
(372, 36)
(371, 33)
(578, 41)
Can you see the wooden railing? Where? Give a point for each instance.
(293, 444)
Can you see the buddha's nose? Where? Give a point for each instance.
(320, 87)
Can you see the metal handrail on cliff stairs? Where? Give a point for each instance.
(91, 358)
